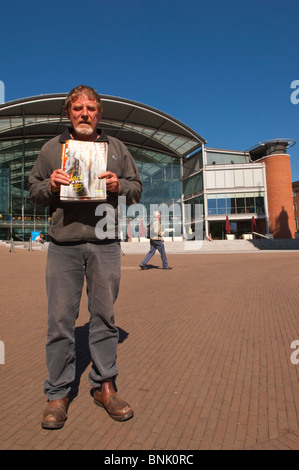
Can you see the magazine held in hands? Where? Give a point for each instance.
(84, 162)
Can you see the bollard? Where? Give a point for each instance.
(30, 244)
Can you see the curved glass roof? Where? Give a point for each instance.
(131, 122)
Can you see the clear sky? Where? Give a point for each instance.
(224, 68)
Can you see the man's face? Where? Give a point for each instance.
(84, 116)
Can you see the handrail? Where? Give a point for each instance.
(261, 235)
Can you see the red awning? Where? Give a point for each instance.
(253, 224)
(227, 225)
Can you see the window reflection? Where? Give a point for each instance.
(260, 205)
(240, 202)
(160, 175)
(220, 204)
(250, 205)
(193, 185)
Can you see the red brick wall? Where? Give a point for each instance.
(280, 196)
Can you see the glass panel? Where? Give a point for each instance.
(188, 187)
(250, 205)
(233, 205)
(16, 122)
(223, 158)
(193, 164)
(260, 205)
(180, 144)
(221, 205)
(233, 227)
(161, 177)
(193, 185)
(4, 193)
(4, 124)
(240, 205)
(195, 181)
(228, 205)
(196, 210)
(200, 182)
(212, 206)
(18, 215)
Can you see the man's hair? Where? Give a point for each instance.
(79, 90)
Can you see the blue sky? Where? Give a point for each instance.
(224, 68)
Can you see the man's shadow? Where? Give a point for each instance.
(151, 266)
(83, 358)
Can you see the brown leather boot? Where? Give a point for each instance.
(107, 398)
(55, 414)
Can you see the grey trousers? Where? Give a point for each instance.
(67, 266)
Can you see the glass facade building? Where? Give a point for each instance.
(157, 141)
(189, 182)
(227, 184)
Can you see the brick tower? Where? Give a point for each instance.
(279, 186)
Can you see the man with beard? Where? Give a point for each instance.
(76, 252)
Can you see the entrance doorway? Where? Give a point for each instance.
(238, 228)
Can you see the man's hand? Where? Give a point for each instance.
(58, 178)
(112, 181)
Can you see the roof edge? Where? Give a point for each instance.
(51, 96)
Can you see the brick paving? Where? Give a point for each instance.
(204, 356)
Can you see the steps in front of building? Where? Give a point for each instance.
(215, 246)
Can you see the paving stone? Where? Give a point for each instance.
(204, 355)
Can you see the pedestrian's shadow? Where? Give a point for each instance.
(151, 266)
(83, 358)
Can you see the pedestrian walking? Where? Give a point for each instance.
(156, 243)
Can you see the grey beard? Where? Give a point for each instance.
(84, 131)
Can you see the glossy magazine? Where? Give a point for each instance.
(84, 162)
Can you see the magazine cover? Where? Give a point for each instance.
(84, 162)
